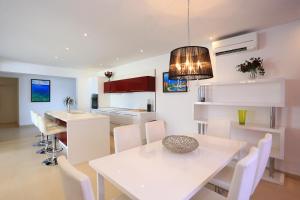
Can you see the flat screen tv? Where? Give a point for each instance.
(169, 85)
(40, 90)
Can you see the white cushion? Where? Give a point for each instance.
(55, 130)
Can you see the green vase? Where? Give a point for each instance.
(242, 116)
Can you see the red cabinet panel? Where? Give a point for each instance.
(139, 84)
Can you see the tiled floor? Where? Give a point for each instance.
(22, 177)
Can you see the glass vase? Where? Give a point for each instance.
(253, 74)
(242, 116)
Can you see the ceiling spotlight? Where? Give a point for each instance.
(67, 48)
(211, 38)
(85, 34)
(142, 51)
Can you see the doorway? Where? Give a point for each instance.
(9, 102)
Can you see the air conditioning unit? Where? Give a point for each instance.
(239, 43)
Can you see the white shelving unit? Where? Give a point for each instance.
(264, 97)
(246, 104)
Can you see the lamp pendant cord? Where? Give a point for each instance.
(188, 22)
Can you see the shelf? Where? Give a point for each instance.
(275, 153)
(245, 104)
(202, 121)
(258, 127)
(277, 178)
(243, 82)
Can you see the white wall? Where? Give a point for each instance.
(278, 46)
(60, 88)
(82, 77)
(133, 100)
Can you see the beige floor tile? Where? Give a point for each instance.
(22, 177)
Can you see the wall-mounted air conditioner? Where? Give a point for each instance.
(239, 43)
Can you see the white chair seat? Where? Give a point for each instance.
(206, 194)
(122, 197)
(223, 179)
(51, 124)
(55, 130)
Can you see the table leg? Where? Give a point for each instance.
(100, 187)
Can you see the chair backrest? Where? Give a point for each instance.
(41, 124)
(33, 117)
(127, 137)
(77, 186)
(243, 177)
(264, 150)
(155, 131)
(219, 128)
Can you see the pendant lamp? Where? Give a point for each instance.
(190, 62)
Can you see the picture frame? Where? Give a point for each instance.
(174, 86)
(40, 90)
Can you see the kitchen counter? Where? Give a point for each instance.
(124, 116)
(87, 135)
(73, 115)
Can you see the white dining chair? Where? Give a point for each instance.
(224, 178)
(242, 181)
(127, 137)
(218, 128)
(155, 131)
(77, 185)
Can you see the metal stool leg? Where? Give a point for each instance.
(42, 141)
(47, 147)
(52, 160)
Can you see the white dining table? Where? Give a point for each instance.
(152, 172)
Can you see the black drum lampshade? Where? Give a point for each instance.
(191, 63)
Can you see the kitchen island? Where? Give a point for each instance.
(87, 135)
(125, 116)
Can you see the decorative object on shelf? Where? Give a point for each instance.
(40, 90)
(108, 74)
(202, 93)
(190, 62)
(254, 66)
(179, 85)
(68, 101)
(242, 116)
(149, 105)
(180, 143)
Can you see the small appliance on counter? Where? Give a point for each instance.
(149, 105)
(94, 101)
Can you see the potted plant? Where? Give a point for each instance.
(108, 74)
(68, 101)
(254, 66)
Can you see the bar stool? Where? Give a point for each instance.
(44, 141)
(34, 120)
(50, 131)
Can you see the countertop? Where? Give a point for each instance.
(74, 115)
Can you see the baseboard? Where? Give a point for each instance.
(293, 176)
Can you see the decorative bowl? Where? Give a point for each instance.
(180, 143)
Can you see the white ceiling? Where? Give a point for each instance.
(37, 31)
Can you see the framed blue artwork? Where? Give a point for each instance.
(169, 85)
(40, 90)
